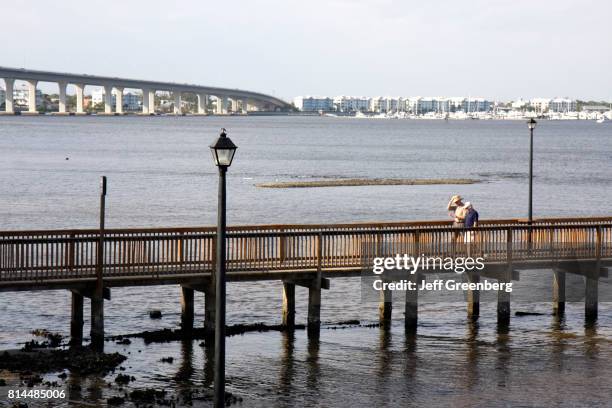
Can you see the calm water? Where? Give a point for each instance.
(160, 174)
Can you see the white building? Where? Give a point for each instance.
(540, 105)
(351, 104)
(563, 105)
(387, 104)
(314, 103)
(519, 104)
(131, 101)
(420, 105)
(21, 97)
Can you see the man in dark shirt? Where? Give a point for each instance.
(471, 217)
(471, 220)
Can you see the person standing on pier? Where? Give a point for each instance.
(457, 211)
(471, 221)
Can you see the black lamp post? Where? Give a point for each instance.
(222, 150)
(531, 123)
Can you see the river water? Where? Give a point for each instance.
(160, 174)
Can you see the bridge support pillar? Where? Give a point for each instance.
(234, 105)
(76, 320)
(62, 97)
(558, 292)
(79, 97)
(503, 302)
(385, 306)
(108, 99)
(177, 103)
(9, 84)
(591, 295)
(202, 104)
(186, 309)
(288, 316)
(473, 297)
(118, 100)
(97, 322)
(314, 306)
(209, 306)
(148, 101)
(32, 96)
(245, 106)
(221, 107)
(411, 312)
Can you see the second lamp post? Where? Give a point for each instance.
(531, 123)
(222, 150)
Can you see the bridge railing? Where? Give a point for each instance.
(49, 255)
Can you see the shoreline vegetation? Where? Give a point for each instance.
(351, 182)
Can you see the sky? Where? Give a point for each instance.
(497, 49)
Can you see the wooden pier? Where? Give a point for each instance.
(303, 255)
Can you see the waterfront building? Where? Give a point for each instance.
(21, 97)
(588, 108)
(519, 104)
(387, 104)
(562, 105)
(351, 104)
(131, 101)
(422, 105)
(540, 105)
(476, 105)
(314, 103)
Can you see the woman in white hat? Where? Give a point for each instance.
(457, 211)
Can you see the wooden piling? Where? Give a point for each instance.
(473, 297)
(411, 314)
(97, 321)
(385, 306)
(558, 292)
(314, 306)
(288, 313)
(209, 306)
(591, 295)
(503, 297)
(503, 307)
(314, 293)
(186, 309)
(76, 320)
(591, 279)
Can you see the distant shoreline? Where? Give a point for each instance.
(365, 182)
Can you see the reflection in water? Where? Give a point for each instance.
(75, 385)
(503, 354)
(559, 345)
(472, 354)
(94, 389)
(384, 367)
(385, 352)
(591, 342)
(287, 362)
(314, 370)
(209, 363)
(185, 371)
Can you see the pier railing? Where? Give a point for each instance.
(40, 256)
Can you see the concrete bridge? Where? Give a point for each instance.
(234, 100)
(304, 255)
